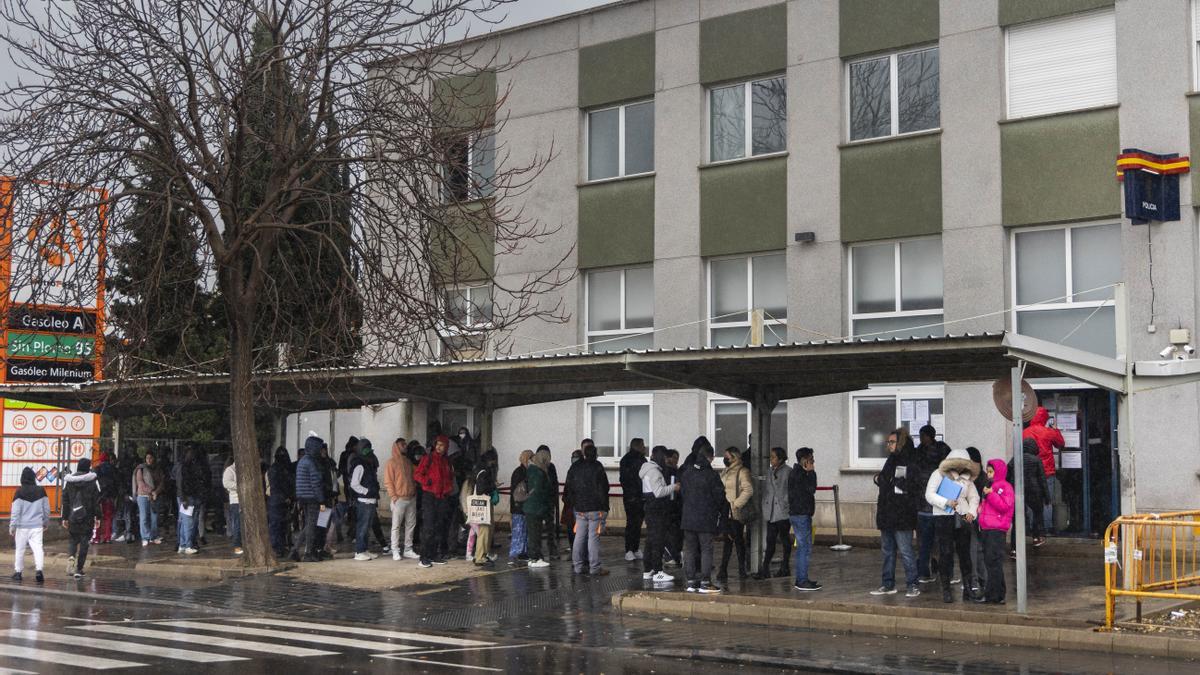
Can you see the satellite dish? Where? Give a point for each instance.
(1002, 395)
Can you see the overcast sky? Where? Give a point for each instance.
(515, 14)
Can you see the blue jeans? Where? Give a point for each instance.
(187, 530)
(517, 545)
(363, 513)
(802, 529)
(889, 541)
(147, 518)
(235, 525)
(925, 539)
(1048, 509)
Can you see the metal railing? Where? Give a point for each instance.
(1151, 555)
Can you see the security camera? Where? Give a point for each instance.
(1167, 352)
(1189, 349)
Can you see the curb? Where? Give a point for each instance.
(1027, 632)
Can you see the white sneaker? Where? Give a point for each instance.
(629, 557)
(411, 555)
(470, 558)
(190, 551)
(145, 543)
(646, 576)
(663, 578)
(637, 555)
(538, 564)
(373, 555)
(362, 556)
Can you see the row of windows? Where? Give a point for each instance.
(1062, 282)
(614, 421)
(1052, 66)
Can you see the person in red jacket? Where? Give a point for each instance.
(436, 478)
(1047, 438)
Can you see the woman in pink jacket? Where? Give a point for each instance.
(995, 519)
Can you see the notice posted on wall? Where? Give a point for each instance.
(1071, 459)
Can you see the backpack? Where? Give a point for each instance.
(80, 515)
(520, 492)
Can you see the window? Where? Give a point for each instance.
(764, 103)
(894, 94)
(619, 303)
(614, 421)
(739, 285)
(1062, 64)
(620, 141)
(878, 411)
(1196, 43)
(730, 425)
(468, 314)
(454, 417)
(896, 289)
(469, 167)
(1062, 280)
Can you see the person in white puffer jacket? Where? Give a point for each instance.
(657, 495)
(229, 482)
(29, 517)
(952, 518)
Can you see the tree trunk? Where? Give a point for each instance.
(255, 540)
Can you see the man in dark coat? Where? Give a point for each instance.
(1036, 491)
(80, 512)
(310, 494)
(587, 483)
(926, 459)
(282, 487)
(631, 490)
(704, 508)
(896, 514)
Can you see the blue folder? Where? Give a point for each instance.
(950, 490)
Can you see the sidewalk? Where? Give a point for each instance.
(1065, 604)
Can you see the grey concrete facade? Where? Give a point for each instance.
(1155, 73)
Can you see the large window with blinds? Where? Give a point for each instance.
(1061, 64)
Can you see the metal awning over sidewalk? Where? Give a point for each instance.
(774, 372)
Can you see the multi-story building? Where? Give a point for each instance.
(872, 168)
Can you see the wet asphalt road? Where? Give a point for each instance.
(518, 620)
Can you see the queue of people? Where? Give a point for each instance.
(953, 505)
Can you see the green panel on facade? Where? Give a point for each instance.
(743, 207)
(616, 223)
(463, 245)
(616, 71)
(1060, 168)
(878, 25)
(1194, 128)
(892, 189)
(50, 346)
(1020, 11)
(744, 44)
(465, 101)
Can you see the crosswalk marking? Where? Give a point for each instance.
(139, 648)
(207, 640)
(63, 658)
(290, 635)
(372, 632)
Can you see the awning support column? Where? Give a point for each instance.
(760, 435)
(1018, 406)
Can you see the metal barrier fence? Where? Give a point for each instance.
(1151, 555)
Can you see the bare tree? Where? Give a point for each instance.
(336, 151)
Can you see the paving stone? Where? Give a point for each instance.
(873, 624)
(834, 621)
(712, 611)
(1085, 640)
(1141, 644)
(1030, 636)
(790, 617)
(966, 631)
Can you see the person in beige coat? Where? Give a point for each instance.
(739, 492)
(402, 491)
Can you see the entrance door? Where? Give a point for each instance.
(1082, 502)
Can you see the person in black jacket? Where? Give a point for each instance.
(80, 512)
(802, 504)
(192, 489)
(978, 579)
(896, 514)
(552, 532)
(485, 482)
(926, 459)
(631, 491)
(282, 490)
(350, 513)
(1036, 492)
(587, 483)
(704, 507)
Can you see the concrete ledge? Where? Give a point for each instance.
(955, 626)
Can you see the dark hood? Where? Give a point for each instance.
(29, 491)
